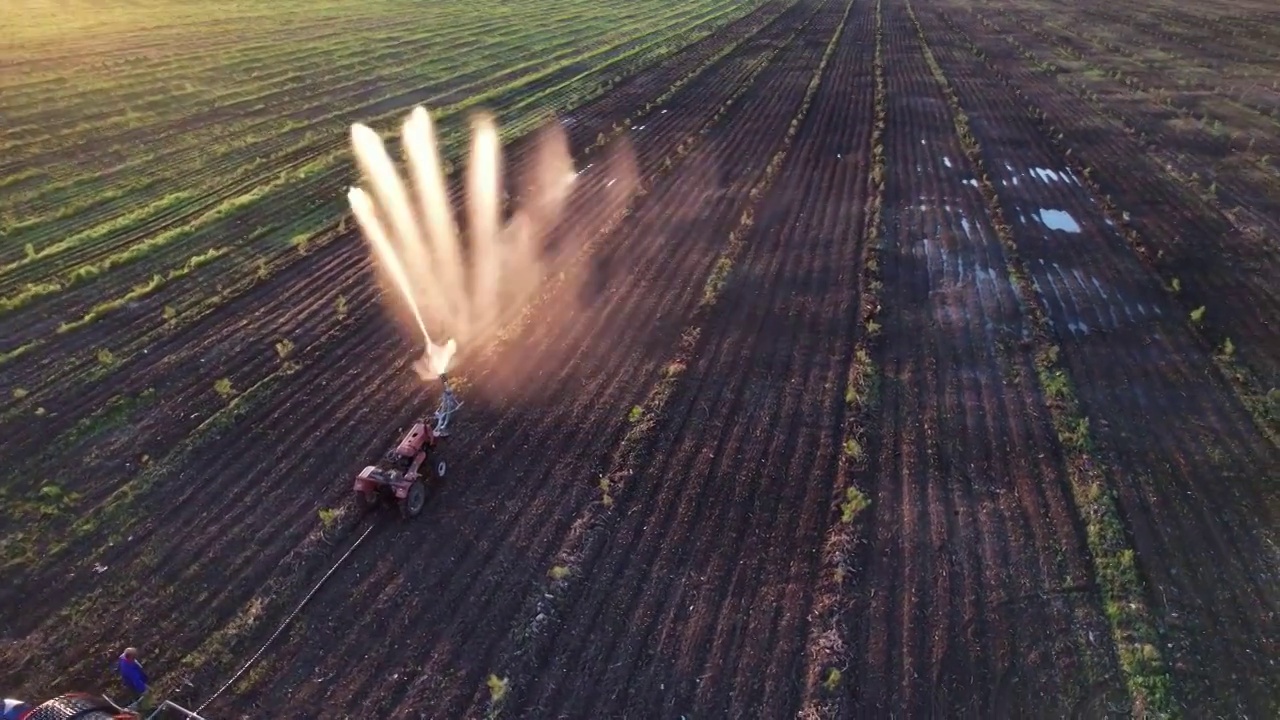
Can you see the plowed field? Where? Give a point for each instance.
(933, 372)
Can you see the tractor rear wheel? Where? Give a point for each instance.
(413, 501)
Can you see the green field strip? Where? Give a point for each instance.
(208, 305)
(171, 45)
(1172, 49)
(195, 146)
(301, 44)
(508, 128)
(328, 160)
(63, 210)
(143, 290)
(231, 52)
(390, 62)
(183, 308)
(1184, 30)
(1125, 65)
(284, 58)
(449, 64)
(69, 210)
(1208, 121)
(354, 69)
(78, 26)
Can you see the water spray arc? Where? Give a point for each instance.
(462, 291)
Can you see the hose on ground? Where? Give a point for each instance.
(289, 619)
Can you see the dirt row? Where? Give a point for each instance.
(139, 328)
(1197, 31)
(698, 600)
(1230, 143)
(1188, 239)
(1225, 147)
(974, 595)
(1182, 447)
(260, 508)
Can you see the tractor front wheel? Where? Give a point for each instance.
(412, 503)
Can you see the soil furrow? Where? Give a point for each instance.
(684, 500)
(1221, 278)
(958, 592)
(1196, 513)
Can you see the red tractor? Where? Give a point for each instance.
(402, 474)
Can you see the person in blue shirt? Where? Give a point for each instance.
(131, 672)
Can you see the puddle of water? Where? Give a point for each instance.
(1059, 220)
(1047, 175)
